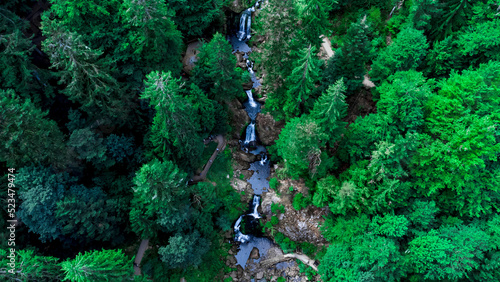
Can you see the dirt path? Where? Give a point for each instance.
(305, 259)
(140, 253)
(220, 147)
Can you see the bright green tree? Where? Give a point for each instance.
(30, 267)
(314, 15)
(300, 144)
(174, 133)
(405, 53)
(29, 137)
(105, 265)
(215, 71)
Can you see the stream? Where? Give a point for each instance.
(250, 144)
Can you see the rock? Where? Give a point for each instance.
(254, 254)
(260, 275)
(240, 61)
(267, 199)
(240, 185)
(268, 129)
(240, 118)
(188, 62)
(245, 157)
(234, 275)
(237, 6)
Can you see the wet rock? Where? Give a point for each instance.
(254, 254)
(268, 128)
(240, 185)
(240, 118)
(267, 199)
(189, 59)
(240, 61)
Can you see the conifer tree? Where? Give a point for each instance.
(215, 71)
(193, 17)
(30, 267)
(184, 250)
(174, 133)
(105, 265)
(349, 61)
(314, 15)
(330, 109)
(155, 43)
(30, 138)
(301, 82)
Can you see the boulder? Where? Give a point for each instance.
(243, 156)
(268, 129)
(189, 59)
(237, 6)
(254, 254)
(260, 275)
(240, 118)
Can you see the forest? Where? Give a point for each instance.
(131, 140)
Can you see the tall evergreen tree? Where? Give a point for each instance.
(193, 17)
(301, 82)
(215, 71)
(349, 61)
(30, 138)
(30, 267)
(155, 43)
(174, 133)
(105, 265)
(314, 15)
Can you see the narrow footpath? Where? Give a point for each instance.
(220, 147)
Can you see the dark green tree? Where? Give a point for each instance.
(301, 82)
(29, 137)
(184, 250)
(174, 133)
(105, 265)
(215, 71)
(314, 16)
(349, 61)
(193, 17)
(153, 39)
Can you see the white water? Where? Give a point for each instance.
(255, 204)
(245, 24)
(252, 102)
(250, 136)
(240, 237)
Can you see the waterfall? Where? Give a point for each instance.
(263, 159)
(240, 237)
(250, 98)
(255, 205)
(250, 134)
(245, 24)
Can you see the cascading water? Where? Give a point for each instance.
(261, 168)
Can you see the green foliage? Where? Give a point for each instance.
(274, 220)
(281, 279)
(29, 137)
(330, 109)
(300, 202)
(301, 81)
(174, 133)
(273, 183)
(102, 265)
(390, 225)
(119, 147)
(308, 248)
(479, 42)
(310, 273)
(87, 215)
(152, 37)
(423, 214)
(300, 144)
(215, 70)
(89, 146)
(184, 250)
(405, 53)
(285, 243)
(30, 267)
(314, 16)
(193, 17)
(277, 207)
(40, 189)
(349, 61)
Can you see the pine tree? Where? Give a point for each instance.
(154, 41)
(174, 133)
(184, 250)
(30, 138)
(215, 71)
(301, 82)
(314, 15)
(330, 109)
(105, 265)
(349, 61)
(30, 267)
(193, 17)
